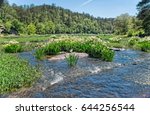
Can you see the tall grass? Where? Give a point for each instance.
(71, 59)
(52, 49)
(39, 54)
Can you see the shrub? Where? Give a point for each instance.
(13, 48)
(71, 59)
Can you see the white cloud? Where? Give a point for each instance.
(86, 2)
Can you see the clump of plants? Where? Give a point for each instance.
(39, 54)
(13, 48)
(133, 41)
(71, 59)
(52, 49)
(94, 48)
(100, 51)
(145, 46)
(15, 73)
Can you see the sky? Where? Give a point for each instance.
(97, 8)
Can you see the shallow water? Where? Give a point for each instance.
(127, 76)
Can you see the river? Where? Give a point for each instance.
(128, 76)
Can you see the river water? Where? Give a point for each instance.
(126, 77)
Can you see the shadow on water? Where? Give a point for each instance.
(127, 76)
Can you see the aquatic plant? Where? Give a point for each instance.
(39, 54)
(52, 49)
(71, 59)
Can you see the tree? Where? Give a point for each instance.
(144, 14)
(40, 28)
(49, 19)
(49, 27)
(18, 26)
(8, 26)
(135, 27)
(31, 29)
(121, 24)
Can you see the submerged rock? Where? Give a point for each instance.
(117, 49)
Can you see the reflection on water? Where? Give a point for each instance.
(127, 76)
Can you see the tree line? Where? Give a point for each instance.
(51, 19)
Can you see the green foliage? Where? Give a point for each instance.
(145, 46)
(121, 24)
(18, 26)
(15, 73)
(52, 49)
(66, 45)
(49, 27)
(105, 36)
(13, 48)
(135, 27)
(100, 51)
(8, 25)
(107, 55)
(128, 25)
(48, 19)
(39, 54)
(71, 59)
(40, 28)
(93, 47)
(25, 39)
(133, 41)
(144, 14)
(31, 29)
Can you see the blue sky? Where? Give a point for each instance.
(97, 8)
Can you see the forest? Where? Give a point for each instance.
(52, 19)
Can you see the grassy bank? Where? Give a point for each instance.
(15, 73)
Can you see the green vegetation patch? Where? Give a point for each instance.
(15, 73)
(133, 41)
(72, 59)
(52, 49)
(93, 47)
(13, 48)
(26, 38)
(145, 46)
